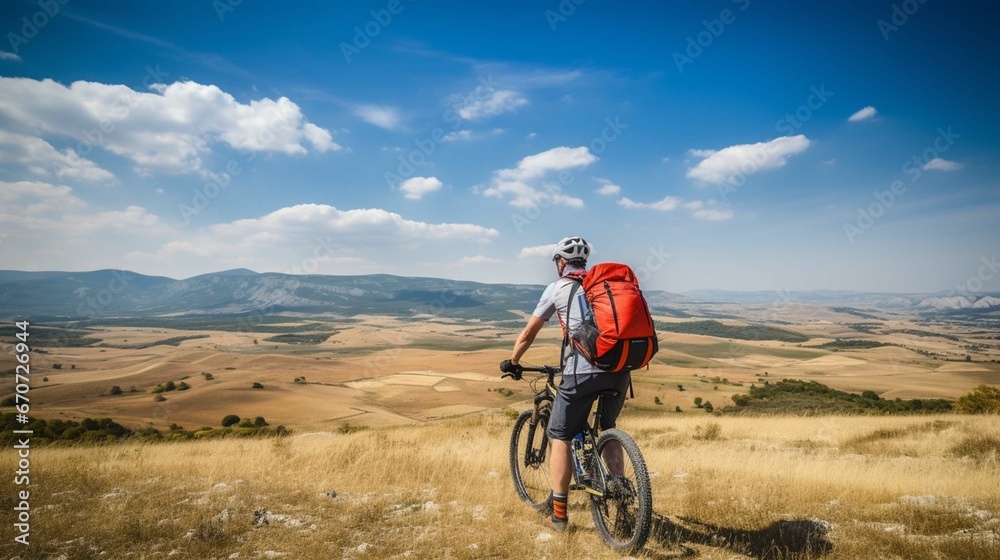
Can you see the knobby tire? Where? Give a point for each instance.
(624, 515)
(530, 451)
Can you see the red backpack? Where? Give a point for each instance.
(620, 334)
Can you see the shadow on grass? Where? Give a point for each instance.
(785, 539)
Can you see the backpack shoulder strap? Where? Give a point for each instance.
(569, 309)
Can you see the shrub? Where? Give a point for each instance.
(259, 422)
(697, 402)
(183, 386)
(257, 385)
(709, 432)
(977, 447)
(56, 366)
(229, 420)
(116, 390)
(656, 400)
(708, 406)
(677, 409)
(984, 399)
(170, 386)
(159, 398)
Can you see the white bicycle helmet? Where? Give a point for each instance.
(572, 249)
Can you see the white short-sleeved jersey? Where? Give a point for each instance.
(555, 299)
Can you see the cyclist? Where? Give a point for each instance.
(581, 381)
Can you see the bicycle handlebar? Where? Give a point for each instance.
(542, 369)
(551, 371)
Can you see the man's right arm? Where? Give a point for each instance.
(526, 337)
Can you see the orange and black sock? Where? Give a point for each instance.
(558, 507)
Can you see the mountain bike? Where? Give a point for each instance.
(607, 465)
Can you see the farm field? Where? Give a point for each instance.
(384, 371)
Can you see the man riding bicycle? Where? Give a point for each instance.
(581, 381)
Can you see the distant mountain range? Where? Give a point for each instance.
(117, 293)
(917, 302)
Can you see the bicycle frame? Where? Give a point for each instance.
(590, 432)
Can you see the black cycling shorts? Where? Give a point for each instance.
(576, 396)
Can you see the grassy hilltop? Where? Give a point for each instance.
(724, 487)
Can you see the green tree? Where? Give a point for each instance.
(697, 402)
(708, 406)
(229, 420)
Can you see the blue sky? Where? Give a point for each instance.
(731, 144)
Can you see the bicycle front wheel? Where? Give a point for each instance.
(529, 458)
(624, 514)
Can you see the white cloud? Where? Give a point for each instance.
(537, 251)
(700, 153)
(41, 158)
(863, 114)
(415, 188)
(608, 188)
(666, 204)
(485, 102)
(169, 129)
(478, 260)
(33, 198)
(669, 203)
(457, 135)
(383, 117)
(714, 214)
(521, 183)
(466, 135)
(52, 214)
(940, 164)
(319, 137)
(4, 55)
(318, 238)
(731, 165)
(556, 159)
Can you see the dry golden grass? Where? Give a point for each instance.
(826, 487)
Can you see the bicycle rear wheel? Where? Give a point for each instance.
(529, 458)
(624, 515)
